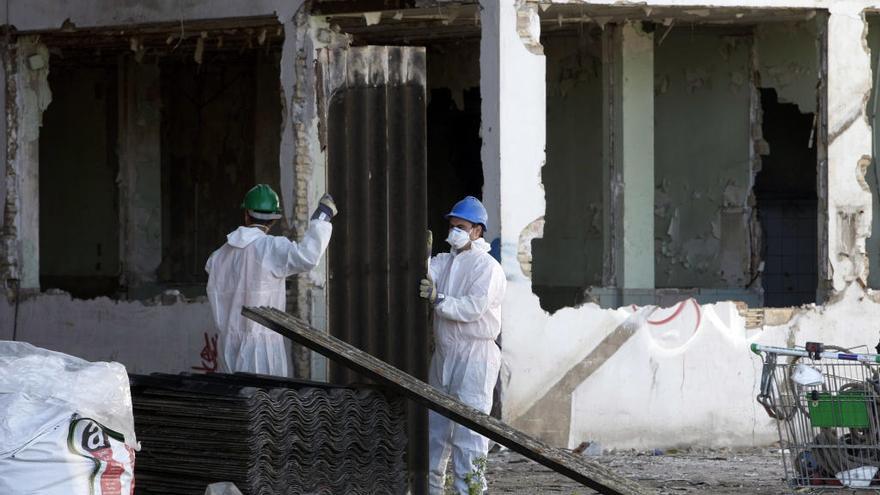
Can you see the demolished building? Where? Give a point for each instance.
(671, 182)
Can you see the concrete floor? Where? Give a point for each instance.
(757, 471)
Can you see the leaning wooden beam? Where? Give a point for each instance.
(589, 473)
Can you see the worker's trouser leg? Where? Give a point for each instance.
(439, 449)
(471, 383)
(469, 458)
(465, 447)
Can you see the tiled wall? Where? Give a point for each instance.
(790, 262)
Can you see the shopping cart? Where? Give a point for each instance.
(825, 401)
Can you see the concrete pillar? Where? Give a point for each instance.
(512, 84)
(847, 198)
(303, 164)
(7, 182)
(31, 96)
(628, 66)
(140, 174)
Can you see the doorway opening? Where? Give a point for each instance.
(786, 195)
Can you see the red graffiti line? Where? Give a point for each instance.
(675, 314)
(208, 355)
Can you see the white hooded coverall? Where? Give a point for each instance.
(249, 270)
(466, 360)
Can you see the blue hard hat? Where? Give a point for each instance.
(472, 210)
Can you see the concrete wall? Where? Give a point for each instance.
(702, 160)
(145, 338)
(569, 256)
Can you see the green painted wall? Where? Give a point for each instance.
(788, 61)
(569, 257)
(702, 160)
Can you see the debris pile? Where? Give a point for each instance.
(266, 436)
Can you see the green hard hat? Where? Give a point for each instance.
(262, 203)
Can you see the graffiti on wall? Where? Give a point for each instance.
(208, 355)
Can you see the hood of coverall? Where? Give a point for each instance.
(478, 244)
(243, 236)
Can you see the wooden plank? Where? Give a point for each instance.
(584, 471)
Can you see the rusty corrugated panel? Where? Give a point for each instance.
(374, 126)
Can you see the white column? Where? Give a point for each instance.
(32, 97)
(848, 145)
(512, 87)
(629, 149)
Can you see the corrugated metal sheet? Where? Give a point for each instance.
(375, 134)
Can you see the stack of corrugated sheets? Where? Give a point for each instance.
(268, 436)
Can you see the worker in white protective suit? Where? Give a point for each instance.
(466, 287)
(250, 270)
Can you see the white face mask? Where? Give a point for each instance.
(458, 238)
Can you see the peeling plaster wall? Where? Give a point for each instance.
(632, 379)
(310, 170)
(31, 97)
(569, 256)
(787, 61)
(702, 125)
(290, 83)
(849, 145)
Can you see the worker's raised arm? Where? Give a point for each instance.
(299, 257)
(291, 257)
